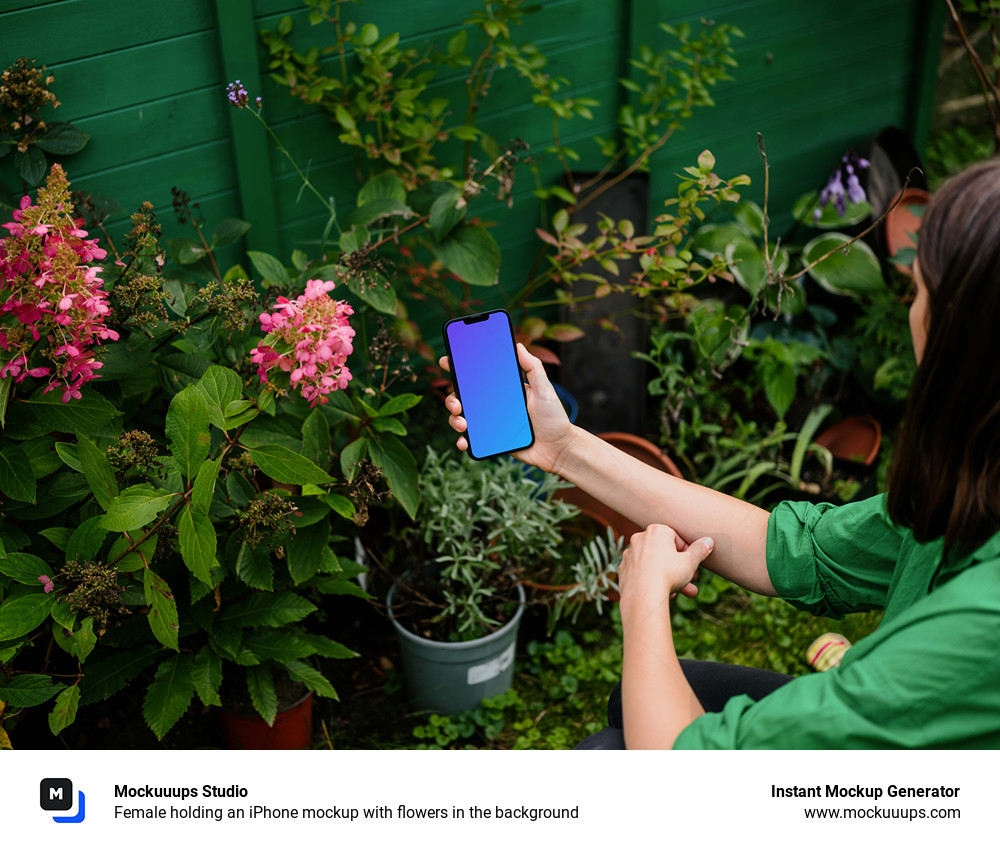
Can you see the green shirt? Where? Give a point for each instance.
(929, 676)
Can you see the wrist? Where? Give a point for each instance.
(566, 455)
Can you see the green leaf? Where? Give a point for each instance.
(206, 676)
(276, 644)
(260, 684)
(386, 186)
(57, 536)
(404, 401)
(393, 426)
(268, 267)
(855, 273)
(16, 479)
(61, 139)
(163, 611)
(105, 678)
(25, 568)
(62, 614)
(379, 208)
(341, 504)
(300, 671)
(379, 294)
(228, 231)
(177, 371)
(316, 438)
(344, 117)
(20, 615)
(204, 485)
(220, 388)
(30, 165)
(447, 212)
(186, 427)
(197, 542)
(64, 711)
(68, 454)
(399, 467)
(286, 466)
(28, 690)
(169, 695)
(5, 395)
(94, 465)
(254, 567)
(86, 413)
(83, 639)
(265, 609)
(306, 550)
(239, 413)
(135, 507)
(328, 648)
(86, 540)
(471, 253)
(778, 378)
(352, 454)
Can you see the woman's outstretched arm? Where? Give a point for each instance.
(636, 490)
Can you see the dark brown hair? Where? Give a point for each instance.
(945, 475)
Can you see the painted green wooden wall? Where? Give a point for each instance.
(147, 81)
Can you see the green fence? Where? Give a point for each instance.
(147, 81)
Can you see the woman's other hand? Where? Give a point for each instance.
(657, 565)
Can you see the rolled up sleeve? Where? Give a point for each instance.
(832, 560)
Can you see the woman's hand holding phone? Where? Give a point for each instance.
(553, 431)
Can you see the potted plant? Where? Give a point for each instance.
(482, 528)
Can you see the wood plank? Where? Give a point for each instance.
(136, 75)
(61, 32)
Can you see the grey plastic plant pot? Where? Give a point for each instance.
(451, 677)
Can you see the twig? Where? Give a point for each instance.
(981, 74)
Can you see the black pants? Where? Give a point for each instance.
(712, 683)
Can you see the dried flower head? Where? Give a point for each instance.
(24, 90)
(134, 453)
(96, 590)
(266, 518)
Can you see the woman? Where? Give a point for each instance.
(928, 552)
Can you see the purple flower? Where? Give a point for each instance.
(836, 193)
(238, 95)
(47, 583)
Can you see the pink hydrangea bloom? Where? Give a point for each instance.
(53, 294)
(47, 583)
(309, 338)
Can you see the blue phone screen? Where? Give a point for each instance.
(486, 372)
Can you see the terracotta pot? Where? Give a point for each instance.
(637, 447)
(856, 438)
(292, 728)
(902, 223)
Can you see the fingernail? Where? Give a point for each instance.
(709, 543)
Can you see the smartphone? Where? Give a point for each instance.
(489, 383)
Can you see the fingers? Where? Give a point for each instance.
(444, 363)
(453, 404)
(700, 549)
(690, 590)
(533, 367)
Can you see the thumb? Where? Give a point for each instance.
(533, 367)
(700, 549)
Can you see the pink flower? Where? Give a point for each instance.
(47, 583)
(310, 339)
(49, 286)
